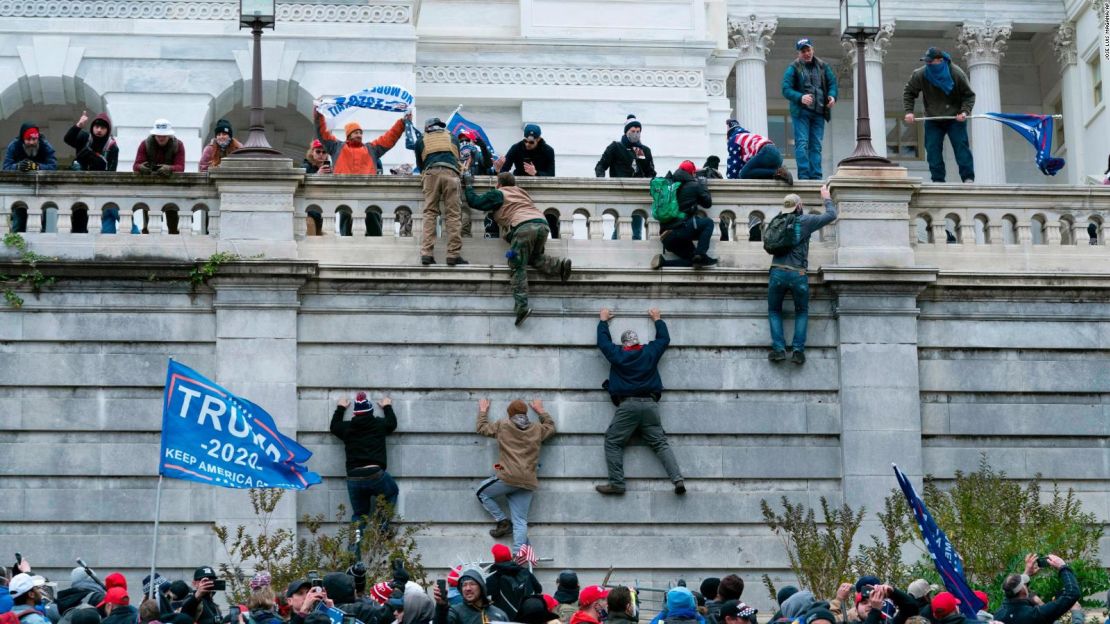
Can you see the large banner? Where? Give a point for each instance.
(383, 97)
(211, 436)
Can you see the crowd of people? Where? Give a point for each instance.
(508, 590)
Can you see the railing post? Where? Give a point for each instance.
(256, 206)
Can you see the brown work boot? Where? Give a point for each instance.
(503, 528)
(564, 270)
(782, 174)
(609, 489)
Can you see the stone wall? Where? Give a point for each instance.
(922, 353)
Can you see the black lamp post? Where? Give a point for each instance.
(859, 20)
(257, 14)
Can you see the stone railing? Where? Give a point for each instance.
(271, 208)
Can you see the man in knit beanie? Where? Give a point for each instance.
(518, 442)
(628, 157)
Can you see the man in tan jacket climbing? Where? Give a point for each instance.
(518, 441)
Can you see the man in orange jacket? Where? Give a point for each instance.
(352, 156)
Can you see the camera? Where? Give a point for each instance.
(219, 585)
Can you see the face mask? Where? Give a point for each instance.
(633, 136)
(520, 420)
(223, 142)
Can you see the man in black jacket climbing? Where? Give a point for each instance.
(678, 235)
(364, 443)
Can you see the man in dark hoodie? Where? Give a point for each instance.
(475, 607)
(635, 387)
(364, 444)
(509, 583)
(628, 157)
(566, 594)
(678, 235)
(96, 149)
(200, 605)
(1018, 606)
(83, 593)
(340, 588)
(29, 152)
(117, 607)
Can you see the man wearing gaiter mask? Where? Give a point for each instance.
(221, 146)
(518, 441)
(627, 158)
(947, 93)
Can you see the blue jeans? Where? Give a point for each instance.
(520, 502)
(680, 241)
(782, 281)
(809, 131)
(108, 219)
(364, 486)
(763, 165)
(956, 131)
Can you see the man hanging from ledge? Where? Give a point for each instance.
(514, 209)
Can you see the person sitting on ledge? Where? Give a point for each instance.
(678, 235)
(514, 209)
(753, 157)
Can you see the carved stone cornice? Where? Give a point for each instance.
(559, 76)
(752, 36)
(985, 42)
(874, 50)
(715, 88)
(1064, 44)
(377, 13)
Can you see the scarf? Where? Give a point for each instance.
(520, 420)
(940, 75)
(635, 347)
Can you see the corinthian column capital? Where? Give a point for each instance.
(984, 42)
(752, 36)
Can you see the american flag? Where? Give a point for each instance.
(526, 556)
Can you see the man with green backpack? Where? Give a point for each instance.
(674, 204)
(787, 239)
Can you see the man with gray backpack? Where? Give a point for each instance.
(675, 201)
(787, 239)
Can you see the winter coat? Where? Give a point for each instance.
(15, 154)
(172, 154)
(124, 614)
(795, 84)
(1023, 611)
(691, 195)
(308, 167)
(364, 436)
(581, 617)
(464, 613)
(93, 153)
(519, 454)
(621, 618)
(621, 161)
(510, 205)
(419, 608)
(798, 256)
(542, 157)
(203, 611)
(365, 158)
(937, 102)
(565, 611)
(213, 154)
(504, 576)
(634, 372)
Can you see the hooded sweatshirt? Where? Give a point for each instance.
(464, 613)
(682, 608)
(419, 608)
(519, 449)
(341, 589)
(15, 153)
(94, 153)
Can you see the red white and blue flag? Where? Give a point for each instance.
(526, 556)
(1037, 129)
(457, 123)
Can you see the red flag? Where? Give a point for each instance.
(526, 556)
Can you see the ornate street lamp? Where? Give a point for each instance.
(257, 14)
(859, 20)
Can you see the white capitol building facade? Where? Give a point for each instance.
(576, 67)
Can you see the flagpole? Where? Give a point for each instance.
(157, 517)
(950, 117)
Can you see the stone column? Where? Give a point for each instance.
(984, 45)
(874, 52)
(256, 206)
(1071, 95)
(876, 284)
(717, 69)
(752, 37)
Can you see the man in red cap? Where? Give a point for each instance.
(591, 600)
(946, 609)
(117, 606)
(364, 443)
(678, 234)
(509, 583)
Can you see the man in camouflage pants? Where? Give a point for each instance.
(514, 210)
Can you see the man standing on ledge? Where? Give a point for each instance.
(628, 157)
(810, 86)
(947, 93)
(635, 387)
(437, 157)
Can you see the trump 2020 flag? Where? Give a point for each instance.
(211, 436)
(457, 123)
(947, 561)
(1037, 129)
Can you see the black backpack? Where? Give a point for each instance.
(783, 233)
(510, 591)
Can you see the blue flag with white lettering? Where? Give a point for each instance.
(211, 436)
(457, 123)
(945, 558)
(1037, 129)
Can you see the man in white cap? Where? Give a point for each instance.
(26, 593)
(161, 153)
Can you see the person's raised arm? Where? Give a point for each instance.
(484, 426)
(604, 338)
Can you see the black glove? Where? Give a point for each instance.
(28, 165)
(358, 571)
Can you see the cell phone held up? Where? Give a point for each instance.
(219, 585)
(442, 585)
(1042, 561)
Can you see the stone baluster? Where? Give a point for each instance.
(967, 232)
(984, 45)
(64, 216)
(594, 231)
(155, 220)
(96, 211)
(1024, 234)
(389, 217)
(566, 223)
(624, 227)
(34, 217)
(994, 234)
(185, 221)
(752, 37)
(1052, 234)
(358, 221)
(940, 232)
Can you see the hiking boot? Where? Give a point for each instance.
(798, 357)
(456, 261)
(680, 487)
(564, 270)
(426, 260)
(609, 489)
(700, 261)
(776, 356)
(782, 174)
(503, 528)
(657, 262)
(521, 315)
